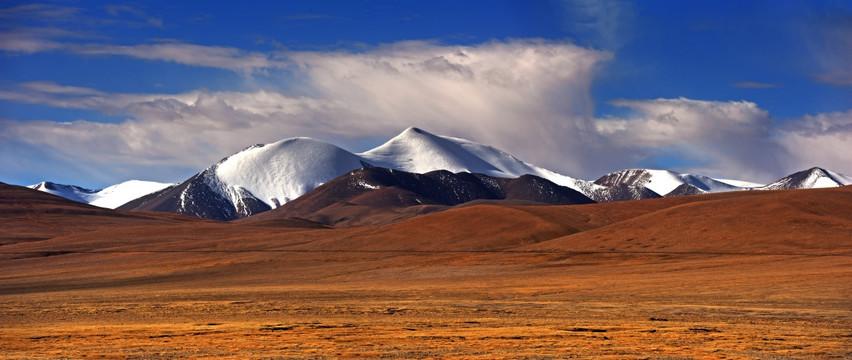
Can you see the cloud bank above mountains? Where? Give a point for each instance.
(529, 97)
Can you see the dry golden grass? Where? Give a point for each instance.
(688, 278)
(726, 307)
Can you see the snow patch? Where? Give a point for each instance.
(366, 185)
(824, 182)
(740, 183)
(110, 197)
(283, 170)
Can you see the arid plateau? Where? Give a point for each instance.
(738, 275)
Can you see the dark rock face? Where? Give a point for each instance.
(625, 185)
(196, 197)
(632, 177)
(534, 188)
(60, 187)
(386, 188)
(800, 180)
(624, 192)
(369, 186)
(684, 190)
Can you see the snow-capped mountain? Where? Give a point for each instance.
(664, 182)
(418, 151)
(110, 197)
(264, 177)
(279, 172)
(70, 192)
(808, 179)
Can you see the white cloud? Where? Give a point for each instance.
(530, 98)
(143, 18)
(730, 139)
(33, 40)
(819, 140)
(188, 54)
(43, 12)
(733, 139)
(509, 94)
(53, 88)
(683, 121)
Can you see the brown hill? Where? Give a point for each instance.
(46, 232)
(377, 196)
(32, 215)
(792, 221)
(735, 275)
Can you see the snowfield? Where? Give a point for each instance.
(110, 197)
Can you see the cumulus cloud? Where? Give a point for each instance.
(819, 140)
(191, 129)
(506, 93)
(731, 138)
(509, 94)
(528, 97)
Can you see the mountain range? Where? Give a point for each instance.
(110, 197)
(415, 168)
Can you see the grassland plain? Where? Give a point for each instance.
(770, 277)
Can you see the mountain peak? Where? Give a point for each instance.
(281, 171)
(110, 197)
(815, 177)
(818, 170)
(414, 134)
(416, 130)
(418, 151)
(663, 182)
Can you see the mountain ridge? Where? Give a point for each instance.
(110, 197)
(262, 177)
(370, 191)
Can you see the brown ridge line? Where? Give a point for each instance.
(66, 252)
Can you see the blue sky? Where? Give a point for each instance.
(94, 94)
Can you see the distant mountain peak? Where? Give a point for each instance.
(415, 130)
(266, 176)
(664, 182)
(815, 177)
(418, 151)
(110, 197)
